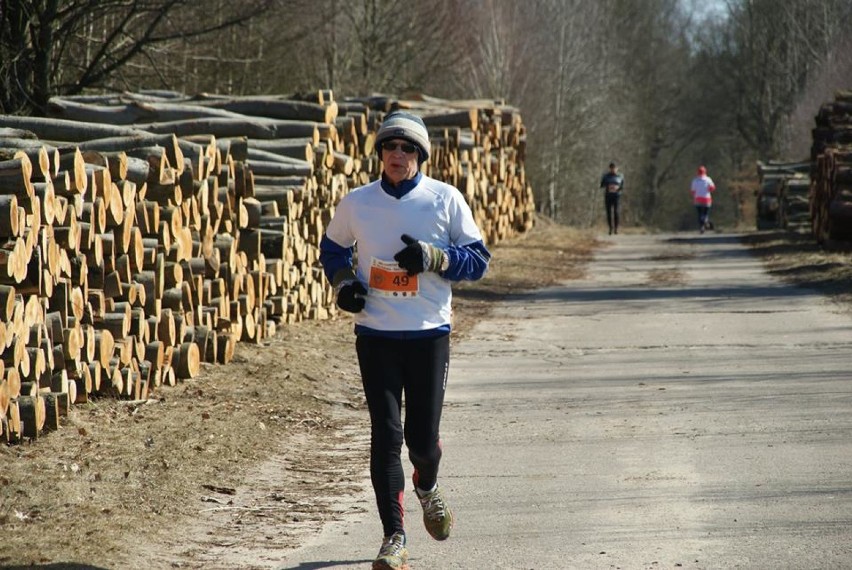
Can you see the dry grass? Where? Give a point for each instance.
(666, 277)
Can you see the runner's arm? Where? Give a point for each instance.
(467, 262)
(334, 257)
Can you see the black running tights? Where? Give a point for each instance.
(611, 200)
(418, 368)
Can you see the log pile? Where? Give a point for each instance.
(142, 234)
(478, 146)
(783, 195)
(831, 172)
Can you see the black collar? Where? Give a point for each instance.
(403, 187)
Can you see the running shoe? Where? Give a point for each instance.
(392, 555)
(437, 516)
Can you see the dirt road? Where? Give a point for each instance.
(676, 408)
(238, 466)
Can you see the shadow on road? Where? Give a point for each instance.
(707, 239)
(325, 564)
(656, 293)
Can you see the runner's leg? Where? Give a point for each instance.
(608, 206)
(428, 362)
(616, 199)
(383, 381)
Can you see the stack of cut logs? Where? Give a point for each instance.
(831, 172)
(783, 197)
(144, 233)
(479, 147)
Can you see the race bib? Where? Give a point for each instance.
(612, 188)
(389, 280)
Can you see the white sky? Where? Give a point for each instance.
(705, 8)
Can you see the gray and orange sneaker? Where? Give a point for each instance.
(437, 516)
(392, 555)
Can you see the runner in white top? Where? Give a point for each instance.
(702, 189)
(412, 235)
(431, 211)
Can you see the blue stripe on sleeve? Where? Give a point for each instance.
(334, 257)
(467, 262)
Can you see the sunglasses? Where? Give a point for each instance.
(407, 148)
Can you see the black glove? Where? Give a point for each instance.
(350, 291)
(350, 296)
(417, 256)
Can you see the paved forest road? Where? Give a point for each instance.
(676, 409)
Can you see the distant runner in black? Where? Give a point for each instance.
(613, 184)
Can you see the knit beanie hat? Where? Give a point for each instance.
(402, 125)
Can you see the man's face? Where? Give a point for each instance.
(399, 158)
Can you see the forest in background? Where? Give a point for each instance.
(658, 86)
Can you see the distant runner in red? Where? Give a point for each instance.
(702, 196)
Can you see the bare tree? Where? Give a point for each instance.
(495, 62)
(832, 74)
(657, 65)
(577, 113)
(50, 47)
(766, 55)
(565, 103)
(611, 84)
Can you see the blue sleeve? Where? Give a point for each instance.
(467, 262)
(334, 257)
